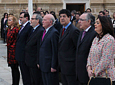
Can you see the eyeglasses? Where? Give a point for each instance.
(82, 19)
(33, 18)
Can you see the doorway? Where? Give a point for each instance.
(78, 7)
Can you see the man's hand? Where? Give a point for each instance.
(53, 70)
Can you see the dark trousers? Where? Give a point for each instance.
(50, 78)
(113, 82)
(36, 77)
(25, 73)
(15, 75)
(68, 80)
(81, 83)
(5, 35)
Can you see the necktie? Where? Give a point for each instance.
(63, 31)
(83, 34)
(32, 31)
(21, 29)
(43, 34)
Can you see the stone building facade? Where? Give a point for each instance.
(16, 6)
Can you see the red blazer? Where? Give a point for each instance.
(11, 45)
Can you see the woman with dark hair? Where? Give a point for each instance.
(46, 12)
(3, 26)
(11, 45)
(101, 56)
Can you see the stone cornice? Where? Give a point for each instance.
(33, 3)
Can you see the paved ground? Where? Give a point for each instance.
(5, 71)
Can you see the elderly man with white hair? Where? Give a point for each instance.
(48, 53)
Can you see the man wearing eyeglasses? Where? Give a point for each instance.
(83, 46)
(67, 48)
(32, 47)
(20, 47)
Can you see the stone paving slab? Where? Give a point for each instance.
(5, 71)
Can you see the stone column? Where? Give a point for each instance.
(30, 7)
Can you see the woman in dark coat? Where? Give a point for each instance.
(11, 44)
(3, 26)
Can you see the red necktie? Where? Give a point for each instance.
(43, 34)
(63, 31)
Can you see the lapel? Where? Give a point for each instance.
(65, 33)
(22, 30)
(79, 39)
(33, 34)
(85, 37)
(46, 34)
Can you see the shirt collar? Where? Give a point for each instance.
(48, 29)
(67, 26)
(87, 29)
(36, 27)
(25, 24)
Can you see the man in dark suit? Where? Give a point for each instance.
(73, 12)
(32, 47)
(20, 47)
(67, 48)
(83, 46)
(48, 54)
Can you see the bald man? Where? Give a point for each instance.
(48, 54)
(39, 9)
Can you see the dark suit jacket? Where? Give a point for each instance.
(32, 47)
(3, 25)
(66, 51)
(72, 19)
(82, 52)
(21, 42)
(48, 54)
(58, 26)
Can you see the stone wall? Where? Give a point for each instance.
(16, 6)
(99, 5)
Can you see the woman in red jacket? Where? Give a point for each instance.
(11, 44)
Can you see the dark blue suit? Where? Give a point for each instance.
(20, 53)
(31, 49)
(48, 56)
(66, 54)
(82, 53)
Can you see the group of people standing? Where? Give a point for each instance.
(4, 24)
(42, 50)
